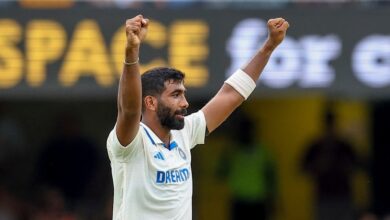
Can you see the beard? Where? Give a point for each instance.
(168, 117)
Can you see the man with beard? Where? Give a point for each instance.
(151, 159)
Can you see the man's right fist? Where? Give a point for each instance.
(136, 29)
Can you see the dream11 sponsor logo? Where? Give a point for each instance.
(307, 60)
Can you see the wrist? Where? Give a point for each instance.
(127, 63)
(131, 54)
(270, 45)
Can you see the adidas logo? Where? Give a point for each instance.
(159, 156)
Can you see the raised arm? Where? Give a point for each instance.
(228, 98)
(129, 92)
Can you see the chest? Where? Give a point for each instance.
(163, 158)
(168, 166)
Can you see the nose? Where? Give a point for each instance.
(184, 104)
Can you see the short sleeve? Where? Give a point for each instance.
(122, 153)
(196, 128)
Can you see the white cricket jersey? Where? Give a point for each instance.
(152, 182)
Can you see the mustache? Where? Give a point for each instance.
(181, 112)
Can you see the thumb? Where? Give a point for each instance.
(144, 28)
(145, 22)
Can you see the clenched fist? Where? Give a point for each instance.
(277, 29)
(136, 29)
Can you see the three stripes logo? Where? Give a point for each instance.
(159, 156)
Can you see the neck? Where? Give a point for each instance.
(154, 124)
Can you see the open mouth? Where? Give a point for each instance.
(180, 114)
(180, 117)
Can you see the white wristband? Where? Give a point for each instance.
(242, 83)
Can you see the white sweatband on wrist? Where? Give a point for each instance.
(242, 83)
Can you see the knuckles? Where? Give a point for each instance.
(278, 25)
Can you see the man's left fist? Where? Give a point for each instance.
(277, 29)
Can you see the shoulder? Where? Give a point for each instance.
(195, 118)
(123, 153)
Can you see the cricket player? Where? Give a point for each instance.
(150, 145)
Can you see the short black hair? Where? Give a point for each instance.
(153, 80)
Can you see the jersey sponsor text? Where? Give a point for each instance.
(174, 176)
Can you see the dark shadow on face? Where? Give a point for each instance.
(167, 116)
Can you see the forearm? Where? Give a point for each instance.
(258, 62)
(129, 92)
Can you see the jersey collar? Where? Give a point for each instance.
(156, 140)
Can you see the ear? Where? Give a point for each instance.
(150, 103)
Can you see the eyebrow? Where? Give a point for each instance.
(179, 90)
